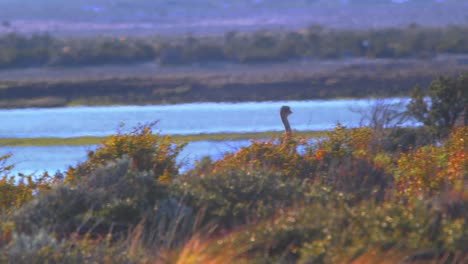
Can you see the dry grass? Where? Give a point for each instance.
(90, 140)
(312, 80)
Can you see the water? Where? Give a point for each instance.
(174, 119)
(36, 160)
(183, 119)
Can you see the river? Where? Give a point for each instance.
(173, 119)
(183, 119)
(36, 160)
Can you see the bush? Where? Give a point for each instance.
(112, 195)
(347, 160)
(330, 231)
(18, 190)
(280, 155)
(230, 198)
(147, 151)
(404, 139)
(113, 200)
(430, 170)
(448, 102)
(121, 184)
(352, 161)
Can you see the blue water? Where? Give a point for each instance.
(36, 160)
(173, 119)
(182, 119)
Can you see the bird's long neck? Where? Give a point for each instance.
(287, 127)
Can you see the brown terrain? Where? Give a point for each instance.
(152, 84)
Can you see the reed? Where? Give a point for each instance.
(90, 140)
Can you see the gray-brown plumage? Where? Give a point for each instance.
(284, 113)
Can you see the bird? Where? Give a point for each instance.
(285, 111)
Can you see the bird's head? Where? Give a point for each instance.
(285, 110)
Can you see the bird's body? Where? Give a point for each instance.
(285, 111)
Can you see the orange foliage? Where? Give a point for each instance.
(298, 157)
(457, 166)
(14, 192)
(340, 142)
(431, 169)
(274, 155)
(148, 152)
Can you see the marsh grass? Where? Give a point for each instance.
(261, 82)
(90, 140)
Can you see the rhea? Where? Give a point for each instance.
(284, 113)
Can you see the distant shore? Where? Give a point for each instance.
(141, 84)
(172, 18)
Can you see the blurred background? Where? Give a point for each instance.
(212, 16)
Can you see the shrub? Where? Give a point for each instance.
(403, 139)
(112, 199)
(230, 198)
(147, 151)
(122, 184)
(430, 170)
(348, 160)
(352, 161)
(328, 230)
(447, 103)
(280, 155)
(18, 190)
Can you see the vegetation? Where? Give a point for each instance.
(447, 103)
(82, 141)
(15, 191)
(233, 83)
(313, 42)
(198, 77)
(346, 198)
(375, 194)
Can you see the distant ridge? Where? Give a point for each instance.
(213, 16)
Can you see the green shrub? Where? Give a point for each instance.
(448, 101)
(43, 247)
(329, 230)
(112, 198)
(230, 198)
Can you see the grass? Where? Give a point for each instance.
(242, 83)
(90, 140)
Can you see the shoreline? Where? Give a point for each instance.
(91, 140)
(147, 84)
